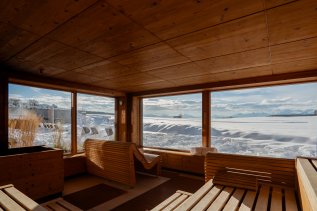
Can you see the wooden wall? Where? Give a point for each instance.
(3, 112)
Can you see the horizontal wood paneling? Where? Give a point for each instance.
(235, 36)
(40, 17)
(236, 61)
(13, 39)
(292, 22)
(151, 57)
(168, 19)
(104, 31)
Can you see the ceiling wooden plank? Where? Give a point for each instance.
(40, 17)
(149, 86)
(76, 77)
(247, 59)
(152, 57)
(13, 40)
(169, 19)
(295, 66)
(287, 52)
(49, 53)
(294, 21)
(103, 31)
(178, 71)
(34, 68)
(130, 80)
(275, 3)
(106, 70)
(235, 36)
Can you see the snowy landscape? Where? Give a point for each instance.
(265, 136)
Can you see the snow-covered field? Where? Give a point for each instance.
(267, 136)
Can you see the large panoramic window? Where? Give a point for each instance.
(172, 122)
(279, 121)
(95, 118)
(39, 117)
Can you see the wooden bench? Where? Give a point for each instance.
(266, 170)
(173, 201)
(12, 199)
(60, 204)
(307, 182)
(275, 179)
(115, 160)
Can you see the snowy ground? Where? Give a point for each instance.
(268, 136)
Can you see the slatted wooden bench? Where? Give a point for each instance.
(60, 204)
(307, 182)
(12, 199)
(173, 201)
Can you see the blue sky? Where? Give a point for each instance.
(290, 99)
(61, 99)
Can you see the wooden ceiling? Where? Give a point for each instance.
(143, 45)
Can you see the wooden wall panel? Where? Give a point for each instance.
(292, 22)
(103, 31)
(235, 36)
(236, 61)
(13, 40)
(121, 119)
(3, 111)
(151, 57)
(136, 121)
(40, 17)
(206, 116)
(168, 19)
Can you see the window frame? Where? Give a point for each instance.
(73, 150)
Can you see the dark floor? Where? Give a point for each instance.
(155, 196)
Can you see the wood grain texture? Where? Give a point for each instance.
(235, 36)
(168, 19)
(41, 17)
(286, 24)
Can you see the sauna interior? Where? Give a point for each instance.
(158, 105)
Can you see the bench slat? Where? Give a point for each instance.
(262, 202)
(314, 163)
(24, 201)
(166, 202)
(176, 203)
(248, 201)
(188, 204)
(9, 204)
(205, 202)
(220, 201)
(290, 201)
(276, 199)
(234, 200)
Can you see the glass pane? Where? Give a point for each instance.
(39, 117)
(95, 118)
(279, 121)
(172, 122)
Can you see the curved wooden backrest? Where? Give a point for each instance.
(266, 169)
(111, 160)
(114, 160)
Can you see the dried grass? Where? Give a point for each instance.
(23, 130)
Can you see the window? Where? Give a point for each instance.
(39, 117)
(173, 122)
(95, 118)
(279, 121)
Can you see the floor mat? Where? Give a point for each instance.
(93, 196)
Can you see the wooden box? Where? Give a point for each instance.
(36, 171)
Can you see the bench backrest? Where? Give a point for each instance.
(273, 170)
(307, 182)
(111, 160)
